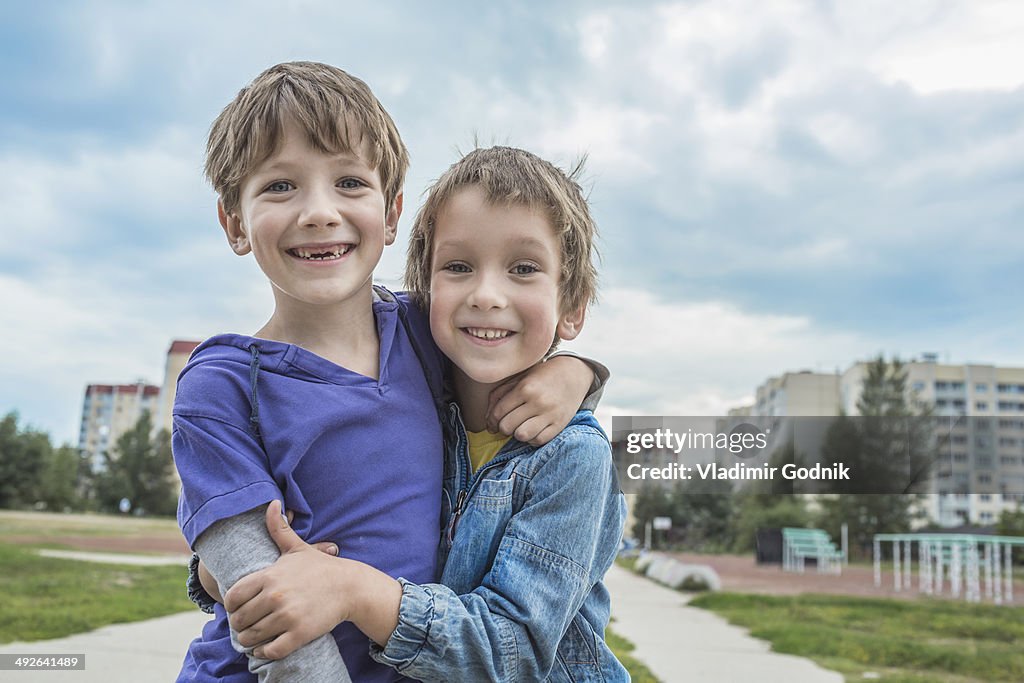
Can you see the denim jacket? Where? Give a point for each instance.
(527, 544)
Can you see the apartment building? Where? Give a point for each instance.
(983, 470)
(109, 410)
(177, 356)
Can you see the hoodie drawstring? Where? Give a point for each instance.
(254, 370)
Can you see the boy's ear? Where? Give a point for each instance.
(233, 230)
(391, 220)
(571, 324)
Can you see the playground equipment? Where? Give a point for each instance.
(966, 562)
(799, 545)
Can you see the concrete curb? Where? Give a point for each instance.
(682, 643)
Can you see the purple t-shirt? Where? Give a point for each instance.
(358, 460)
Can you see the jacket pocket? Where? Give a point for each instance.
(577, 653)
(493, 494)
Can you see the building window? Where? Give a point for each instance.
(981, 387)
(986, 516)
(981, 405)
(985, 497)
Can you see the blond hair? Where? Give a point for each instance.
(338, 112)
(514, 176)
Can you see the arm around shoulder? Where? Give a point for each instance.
(553, 551)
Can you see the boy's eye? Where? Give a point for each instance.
(350, 183)
(524, 269)
(279, 186)
(456, 268)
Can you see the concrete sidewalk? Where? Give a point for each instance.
(145, 651)
(682, 643)
(677, 642)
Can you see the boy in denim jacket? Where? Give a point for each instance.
(502, 254)
(326, 407)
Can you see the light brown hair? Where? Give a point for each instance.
(338, 112)
(514, 176)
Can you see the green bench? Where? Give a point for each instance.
(800, 545)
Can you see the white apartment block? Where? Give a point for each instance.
(985, 474)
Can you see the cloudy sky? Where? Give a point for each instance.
(780, 186)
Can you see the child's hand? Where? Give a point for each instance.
(211, 586)
(534, 407)
(292, 602)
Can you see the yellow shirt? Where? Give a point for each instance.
(483, 446)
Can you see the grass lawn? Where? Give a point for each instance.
(621, 648)
(47, 598)
(902, 641)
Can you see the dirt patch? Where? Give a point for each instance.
(743, 575)
(117, 544)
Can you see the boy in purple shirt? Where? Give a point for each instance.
(326, 407)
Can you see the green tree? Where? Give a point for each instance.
(652, 501)
(59, 481)
(701, 514)
(1011, 523)
(23, 454)
(755, 511)
(890, 447)
(139, 469)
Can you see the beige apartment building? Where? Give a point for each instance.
(797, 393)
(177, 356)
(109, 411)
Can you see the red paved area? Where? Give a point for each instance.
(114, 544)
(742, 574)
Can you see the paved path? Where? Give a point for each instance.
(143, 652)
(682, 643)
(117, 558)
(677, 642)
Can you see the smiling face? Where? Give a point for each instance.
(494, 304)
(316, 223)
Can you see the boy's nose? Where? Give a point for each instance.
(319, 210)
(487, 293)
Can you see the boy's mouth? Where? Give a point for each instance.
(321, 253)
(487, 333)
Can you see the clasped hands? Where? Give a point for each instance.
(306, 593)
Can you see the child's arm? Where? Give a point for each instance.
(537, 405)
(554, 550)
(235, 547)
(312, 593)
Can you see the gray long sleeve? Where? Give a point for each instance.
(238, 546)
(601, 376)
